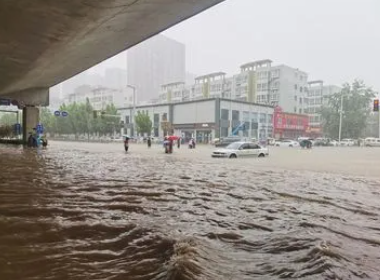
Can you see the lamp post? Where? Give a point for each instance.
(340, 116)
(134, 108)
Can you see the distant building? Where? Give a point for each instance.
(100, 97)
(280, 85)
(258, 82)
(155, 62)
(174, 92)
(206, 118)
(209, 86)
(317, 96)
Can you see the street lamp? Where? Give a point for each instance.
(134, 108)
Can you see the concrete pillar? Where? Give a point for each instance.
(30, 119)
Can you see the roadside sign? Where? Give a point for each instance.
(64, 114)
(40, 129)
(5, 102)
(57, 113)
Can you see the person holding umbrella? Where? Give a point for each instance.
(171, 139)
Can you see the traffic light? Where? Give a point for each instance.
(376, 105)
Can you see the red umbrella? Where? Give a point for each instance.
(172, 138)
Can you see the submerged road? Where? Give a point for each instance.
(92, 211)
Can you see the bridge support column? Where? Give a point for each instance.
(30, 119)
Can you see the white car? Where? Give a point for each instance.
(241, 149)
(287, 143)
(347, 143)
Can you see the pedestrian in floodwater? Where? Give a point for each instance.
(179, 143)
(149, 141)
(166, 145)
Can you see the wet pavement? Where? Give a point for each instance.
(92, 211)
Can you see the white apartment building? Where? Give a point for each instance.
(174, 92)
(317, 96)
(279, 85)
(258, 82)
(212, 85)
(100, 97)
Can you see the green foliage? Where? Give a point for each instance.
(356, 111)
(80, 120)
(143, 123)
(8, 118)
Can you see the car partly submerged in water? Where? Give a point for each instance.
(241, 149)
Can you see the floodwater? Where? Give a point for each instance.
(91, 211)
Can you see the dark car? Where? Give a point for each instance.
(226, 141)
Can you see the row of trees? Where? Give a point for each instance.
(81, 120)
(144, 124)
(356, 98)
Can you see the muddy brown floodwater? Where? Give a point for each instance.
(91, 211)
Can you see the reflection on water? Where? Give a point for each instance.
(76, 214)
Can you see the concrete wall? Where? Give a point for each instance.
(196, 112)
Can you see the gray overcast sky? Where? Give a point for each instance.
(332, 40)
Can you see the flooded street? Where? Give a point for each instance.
(91, 211)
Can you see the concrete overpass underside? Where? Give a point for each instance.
(44, 42)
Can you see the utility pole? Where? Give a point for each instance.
(340, 116)
(134, 109)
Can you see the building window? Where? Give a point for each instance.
(156, 119)
(254, 117)
(127, 119)
(295, 87)
(246, 116)
(295, 98)
(224, 114)
(235, 115)
(263, 118)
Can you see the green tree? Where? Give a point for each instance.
(49, 121)
(356, 111)
(80, 120)
(143, 123)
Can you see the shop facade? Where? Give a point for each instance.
(289, 125)
(207, 119)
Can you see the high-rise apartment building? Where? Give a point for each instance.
(155, 62)
(279, 85)
(317, 96)
(258, 82)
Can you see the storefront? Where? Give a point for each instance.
(202, 132)
(289, 125)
